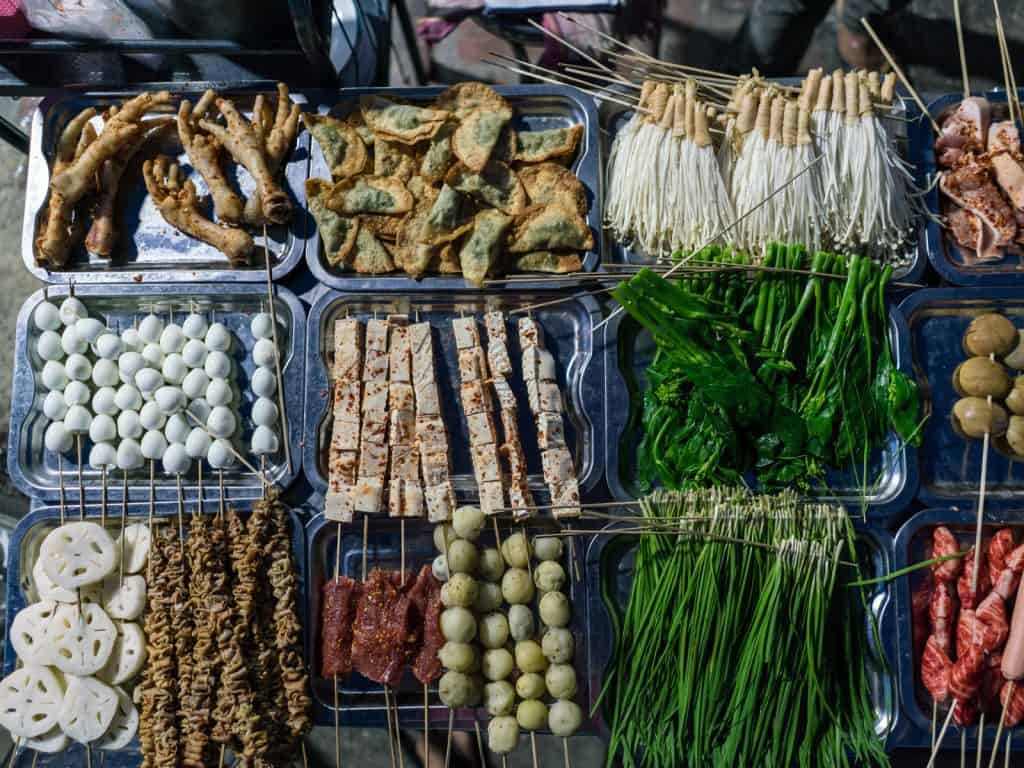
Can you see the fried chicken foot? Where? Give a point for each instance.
(246, 147)
(278, 136)
(178, 205)
(204, 153)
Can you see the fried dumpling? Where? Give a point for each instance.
(421, 187)
(550, 228)
(343, 150)
(445, 261)
(439, 156)
(497, 186)
(462, 99)
(480, 251)
(538, 146)
(449, 218)
(404, 123)
(478, 134)
(384, 227)
(392, 158)
(371, 257)
(547, 183)
(370, 194)
(356, 122)
(548, 261)
(337, 233)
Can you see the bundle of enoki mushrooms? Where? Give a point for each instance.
(224, 672)
(743, 642)
(817, 167)
(89, 168)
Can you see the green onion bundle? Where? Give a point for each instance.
(741, 643)
(781, 375)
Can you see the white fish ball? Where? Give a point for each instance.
(195, 384)
(128, 398)
(103, 455)
(129, 364)
(154, 444)
(220, 455)
(103, 429)
(149, 380)
(264, 441)
(262, 326)
(174, 368)
(198, 443)
(176, 460)
(217, 365)
(105, 373)
(172, 339)
(109, 346)
(54, 406)
(177, 429)
(49, 347)
(105, 401)
(54, 376)
(76, 393)
(47, 316)
(221, 423)
(129, 425)
(129, 455)
(71, 342)
(89, 329)
(78, 419)
(150, 329)
(200, 409)
(170, 399)
(264, 412)
(132, 340)
(219, 392)
(57, 439)
(263, 353)
(78, 367)
(195, 326)
(153, 355)
(194, 353)
(218, 338)
(264, 382)
(564, 718)
(72, 310)
(151, 417)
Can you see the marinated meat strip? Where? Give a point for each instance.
(944, 543)
(425, 599)
(340, 597)
(1009, 173)
(431, 432)
(992, 615)
(381, 629)
(1009, 577)
(965, 130)
(969, 599)
(942, 614)
(936, 668)
(970, 186)
(999, 547)
(965, 712)
(347, 391)
(968, 670)
(1003, 137)
(920, 601)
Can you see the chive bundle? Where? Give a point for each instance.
(733, 655)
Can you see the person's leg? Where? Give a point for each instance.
(776, 34)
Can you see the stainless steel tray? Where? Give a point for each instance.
(943, 253)
(629, 350)
(910, 544)
(950, 466)
(567, 333)
(34, 469)
(21, 556)
(536, 107)
(149, 249)
(361, 701)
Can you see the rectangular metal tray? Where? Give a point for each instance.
(34, 469)
(610, 560)
(629, 350)
(613, 118)
(950, 466)
(361, 701)
(149, 249)
(536, 107)
(567, 334)
(910, 544)
(943, 253)
(21, 556)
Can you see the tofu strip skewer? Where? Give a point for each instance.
(348, 397)
(546, 403)
(431, 434)
(478, 410)
(405, 494)
(373, 441)
(520, 498)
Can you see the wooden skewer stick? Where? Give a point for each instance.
(103, 497)
(60, 489)
(935, 717)
(337, 708)
(1012, 98)
(981, 740)
(220, 483)
(899, 73)
(181, 516)
(942, 735)
(999, 728)
(366, 535)
(426, 726)
(960, 46)
(497, 533)
(533, 748)
(124, 523)
(565, 752)
(401, 528)
(81, 483)
(479, 741)
(220, 762)
(558, 38)
(285, 432)
(963, 747)
(391, 735)
(448, 743)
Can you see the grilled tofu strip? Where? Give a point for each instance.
(405, 493)
(373, 444)
(343, 455)
(478, 409)
(546, 404)
(431, 433)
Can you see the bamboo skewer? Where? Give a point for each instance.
(60, 490)
(533, 748)
(448, 744)
(941, 736)
(426, 726)
(960, 46)
(899, 73)
(999, 728)
(337, 708)
(124, 522)
(387, 717)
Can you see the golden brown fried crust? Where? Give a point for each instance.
(278, 137)
(204, 152)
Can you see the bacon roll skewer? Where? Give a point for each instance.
(1009, 578)
(969, 599)
(942, 614)
(936, 669)
(944, 543)
(999, 548)
(920, 602)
